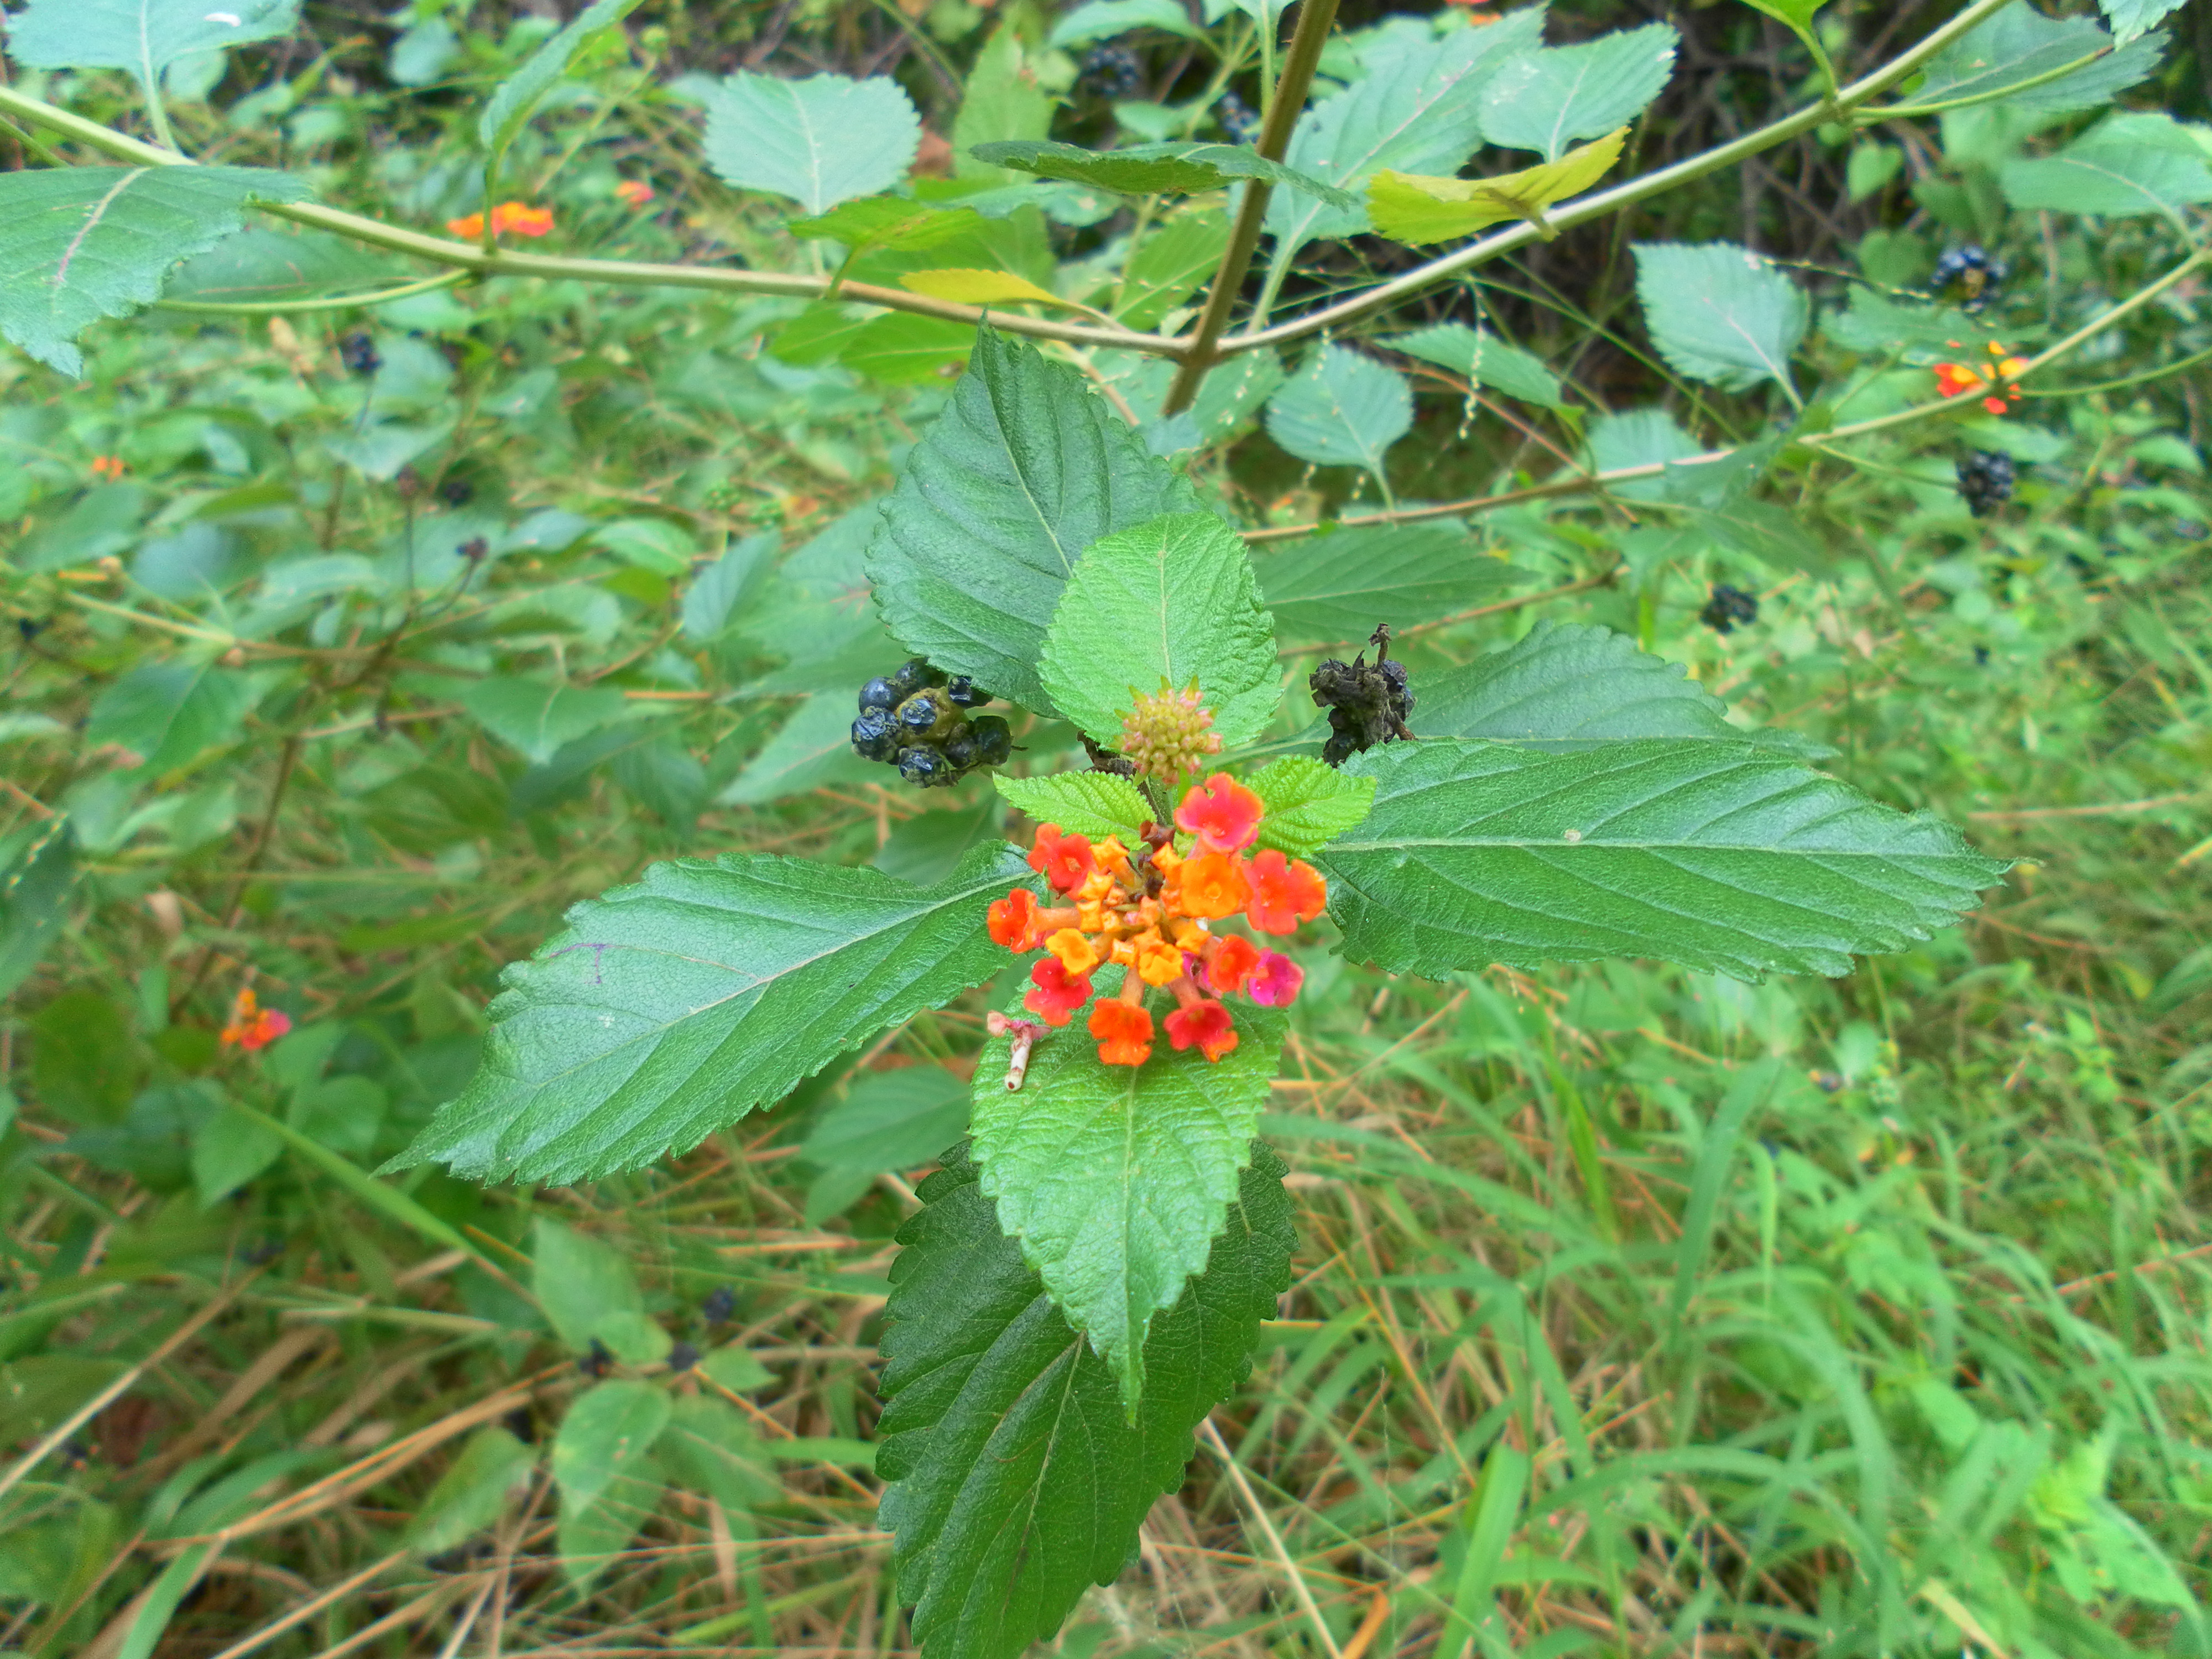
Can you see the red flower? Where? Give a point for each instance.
(1222, 813)
(1063, 860)
(1057, 994)
(1205, 1024)
(1212, 884)
(1276, 983)
(1285, 892)
(1124, 1033)
(252, 1026)
(1232, 964)
(1013, 920)
(634, 191)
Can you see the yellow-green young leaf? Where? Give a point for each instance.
(1014, 1481)
(1094, 803)
(1407, 208)
(1309, 805)
(982, 288)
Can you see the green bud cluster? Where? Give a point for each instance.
(916, 719)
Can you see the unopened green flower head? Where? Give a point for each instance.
(1169, 734)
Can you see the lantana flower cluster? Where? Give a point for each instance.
(1153, 909)
(520, 217)
(252, 1026)
(1953, 380)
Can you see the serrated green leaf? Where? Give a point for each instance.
(1569, 686)
(1167, 602)
(169, 714)
(820, 141)
(602, 1463)
(538, 716)
(1181, 168)
(517, 97)
(2127, 165)
(1711, 855)
(1483, 359)
(1719, 313)
(1115, 1178)
(2129, 18)
(1015, 1481)
(1093, 804)
(1341, 409)
(672, 1007)
(1547, 99)
(78, 244)
(1002, 99)
(1996, 57)
(1409, 208)
(142, 36)
(1024, 470)
(1309, 803)
(1339, 585)
(901, 349)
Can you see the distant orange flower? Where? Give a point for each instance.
(517, 216)
(108, 466)
(635, 191)
(252, 1026)
(1956, 379)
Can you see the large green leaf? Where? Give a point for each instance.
(1015, 1481)
(258, 264)
(1024, 470)
(1341, 409)
(1093, 804)
(1338, 585)
(1547, 99)
(1415, 110)
(812, 747)
(142, 36)
(672, 1007)
(1183, 169)
(2127, 164)
(77, 244)
(1115, 1178)
(2020, 45)
(169, 714)
(517, 97)
(1483, 359)
(1719, 313)
(1711, 855)
(820, 141)
(1168, 602)
(1569, 686)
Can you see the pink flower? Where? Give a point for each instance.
(1275, 982)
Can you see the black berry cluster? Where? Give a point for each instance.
(1238, 119)
(359, 354)
(1969, 276)
(1111, 71)
(1366, 705)
(1985, 480)
(1728, 607)
(917, 720)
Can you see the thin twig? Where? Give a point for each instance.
(1214, 1442)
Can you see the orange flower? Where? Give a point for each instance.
(1124, 1033)
(1159, 963)
(252, 1026)
(1222, 813)
(1285, 892)
(1058, 994)
(1212, 884)
(634, 191)
(1205, 1024)
(1956, 379)
(1063, 860)
(108, 466)
(1075, 952)
(1013, 920)
(1230, 964)
(517, 216)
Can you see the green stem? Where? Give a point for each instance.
(1316, 17)
(336, 303)
(2143, 378)
(1897, 112)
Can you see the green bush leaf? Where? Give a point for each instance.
(1093, 804)
(888, 222)
(820, 141)
(1339, 585)
(1483, 359)
(78, 244)
(2127, 164)
(1167, 602)
(590, 1294)
(2129, 18)
(169, 714)
(709, 1447)
(493, 1469)
(1341, 409)
(258, 265)
(1002, 99)
(602, 1463)
(1183, 169)
(1719, 313)
(1114, 1178)
(1024, 471)
(672, 1007)
(1309, 803)
(1015, 1481)
(517, 97)
(1567, 686)
(811, 748)
(1165, 269)
(1711, 855)
(1547, 99)
(1102, 20)
(142, 36)
(2020, 45)
(538, 717)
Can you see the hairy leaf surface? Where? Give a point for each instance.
(1093, 804)
(820, 141)
(1115, 1178)
(1024, 471)
(1338, 585)
(1309, 803)
(1016, 1481)
(1719, 313)
(1711, 855)
(1547, 99)
(78, 244)
(672, 1007)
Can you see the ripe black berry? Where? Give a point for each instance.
(358, 353)
(960, 747)
(1366, 705)
(874, 736)
(1728, 607)
(1238, 120)
(682, 1357)
(1969, 275)
(925, 767)
(965, 692)
(1985, 480)
(994, 740)
(878, 694)
(1112, 71)
(722, 1301)
(914, 675)
(927, 714)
